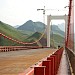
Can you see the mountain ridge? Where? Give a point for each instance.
(40, 27)
(32, 26)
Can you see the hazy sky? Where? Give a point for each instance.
(17, 12)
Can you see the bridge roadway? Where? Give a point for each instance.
(14, 62)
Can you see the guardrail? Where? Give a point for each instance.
(71, 56)
(15, 48)
(46, 66)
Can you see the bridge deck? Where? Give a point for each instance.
(64, 68)
(14, 62)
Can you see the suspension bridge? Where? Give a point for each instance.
(60, 61)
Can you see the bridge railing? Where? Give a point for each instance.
(46, 66)
(71, 56)
(15, 48)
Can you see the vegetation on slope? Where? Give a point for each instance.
(29, 36)
(56, 40)
(11, 32)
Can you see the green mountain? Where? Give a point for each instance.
(31, 32)
(11, 32)
(39, 27)
(56, 30)
(56, 39)
(32, 26)
(37, 36)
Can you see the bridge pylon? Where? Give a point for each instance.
(53, 17)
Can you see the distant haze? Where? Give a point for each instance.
(62, 26)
